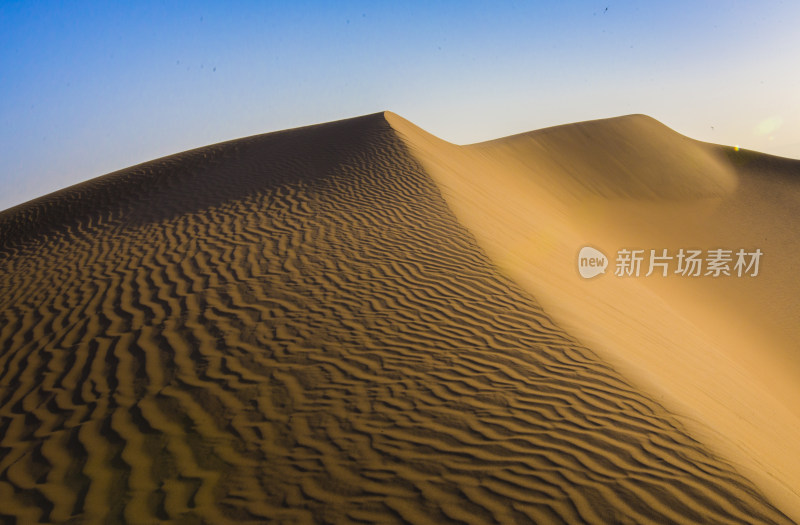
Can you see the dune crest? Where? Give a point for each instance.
(295, 327)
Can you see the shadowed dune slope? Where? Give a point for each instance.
(295, 327)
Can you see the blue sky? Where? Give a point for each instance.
(88, 88)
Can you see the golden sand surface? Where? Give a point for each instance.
(312, 326)
(719, 353)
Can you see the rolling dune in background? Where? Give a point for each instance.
(296, 327)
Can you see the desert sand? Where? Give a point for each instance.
(360, 322)
(720, 353)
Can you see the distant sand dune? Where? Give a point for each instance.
(295, 327)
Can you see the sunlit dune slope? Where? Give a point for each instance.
(296, 327)
(627, 157)
(721, 352)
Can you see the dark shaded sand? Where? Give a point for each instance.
(295, 327)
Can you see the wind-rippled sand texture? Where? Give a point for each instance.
(294, 327)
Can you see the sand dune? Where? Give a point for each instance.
(720, 353)
(296, 327)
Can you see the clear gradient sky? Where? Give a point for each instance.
(87, 88)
